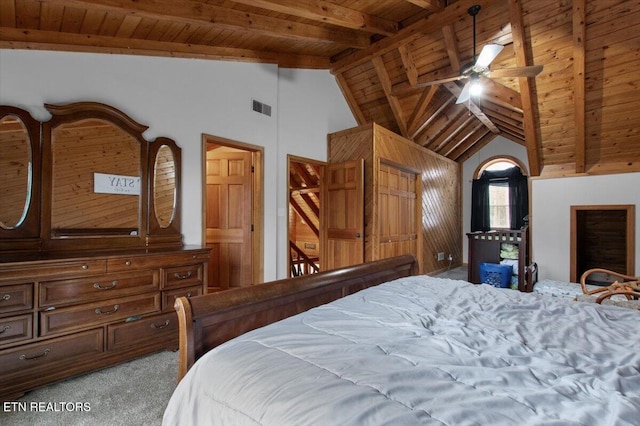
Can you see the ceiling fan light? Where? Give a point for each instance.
(475, 88)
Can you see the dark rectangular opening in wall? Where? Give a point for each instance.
(602, 238)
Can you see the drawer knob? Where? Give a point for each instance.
(182, 276)
(114, 310)
(127, 263)
(6, 297)
(99, 287)
(85, 267)
(5, 328)
(31, 358)
(157, 327)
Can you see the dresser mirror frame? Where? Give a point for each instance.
(25, 234)
(145, 227)
(163, 224)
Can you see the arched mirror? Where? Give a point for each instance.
(95, 180)
(164, 209)
(164, 186)
(19, 173)
(97, 191)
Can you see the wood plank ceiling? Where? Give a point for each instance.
(573, 118)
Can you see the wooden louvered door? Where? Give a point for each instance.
(398, 212)
(343, 215)
(228, 219)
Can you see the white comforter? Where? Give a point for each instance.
(424, 350)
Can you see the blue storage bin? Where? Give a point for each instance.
(495, 274)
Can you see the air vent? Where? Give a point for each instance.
(262, 108)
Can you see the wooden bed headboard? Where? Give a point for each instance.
(211, 319)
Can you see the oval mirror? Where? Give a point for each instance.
(15, 172)
(164, 184)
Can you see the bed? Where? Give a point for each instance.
(394, 347)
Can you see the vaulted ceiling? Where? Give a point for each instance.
(574, 117)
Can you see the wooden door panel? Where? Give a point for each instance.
(229, 200)
(398, 227)
(343, 214)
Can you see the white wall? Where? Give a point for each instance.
(184, 98)
(498, 146)
(551, 201)
(550, 219)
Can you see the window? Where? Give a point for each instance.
(500, 197)
(499, 212)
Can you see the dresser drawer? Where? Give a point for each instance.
(14, 298)
(182, 276)
(169, 297)
(91, 314)
(59, 268)
(161, 328)
(65, 292)
(46, 354)
(154, 261)
(15, 329)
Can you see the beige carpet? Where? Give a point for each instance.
(134, 393)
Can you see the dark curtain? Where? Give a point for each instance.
(518, 197)
(480, 205)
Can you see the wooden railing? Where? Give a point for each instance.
(301, 264)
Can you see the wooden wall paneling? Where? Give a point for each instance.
(440, 180)
(440, 209)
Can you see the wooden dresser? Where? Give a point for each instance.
(65, 315)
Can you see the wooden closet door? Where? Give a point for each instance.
(398, 212)
(343, 215)
(228, 233)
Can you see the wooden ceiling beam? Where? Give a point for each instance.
(394, 103)
(440, 124)
(52, 40)
(431, 118)
(304, 176)
(462, 144)
(330, 13)
(457, 130)
(408, 64)
(517, 138)
(420, 109)
(450, 14)
(463, 153)
(431, 5)
(451, 44)
(501, 95)
(303, 215)
(531, 130)
(357, 112)
(475, 109)
(510, 113)
(195, 12)
(579, 73)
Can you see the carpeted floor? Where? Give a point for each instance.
(130, 394)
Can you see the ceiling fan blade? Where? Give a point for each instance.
(530, 71)
(465, 94)
(488, 54)
(440, 81)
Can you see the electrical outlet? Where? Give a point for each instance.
(440, 255)
(450, 257)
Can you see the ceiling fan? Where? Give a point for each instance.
(480, 67)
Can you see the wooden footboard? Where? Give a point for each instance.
(209, 320)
